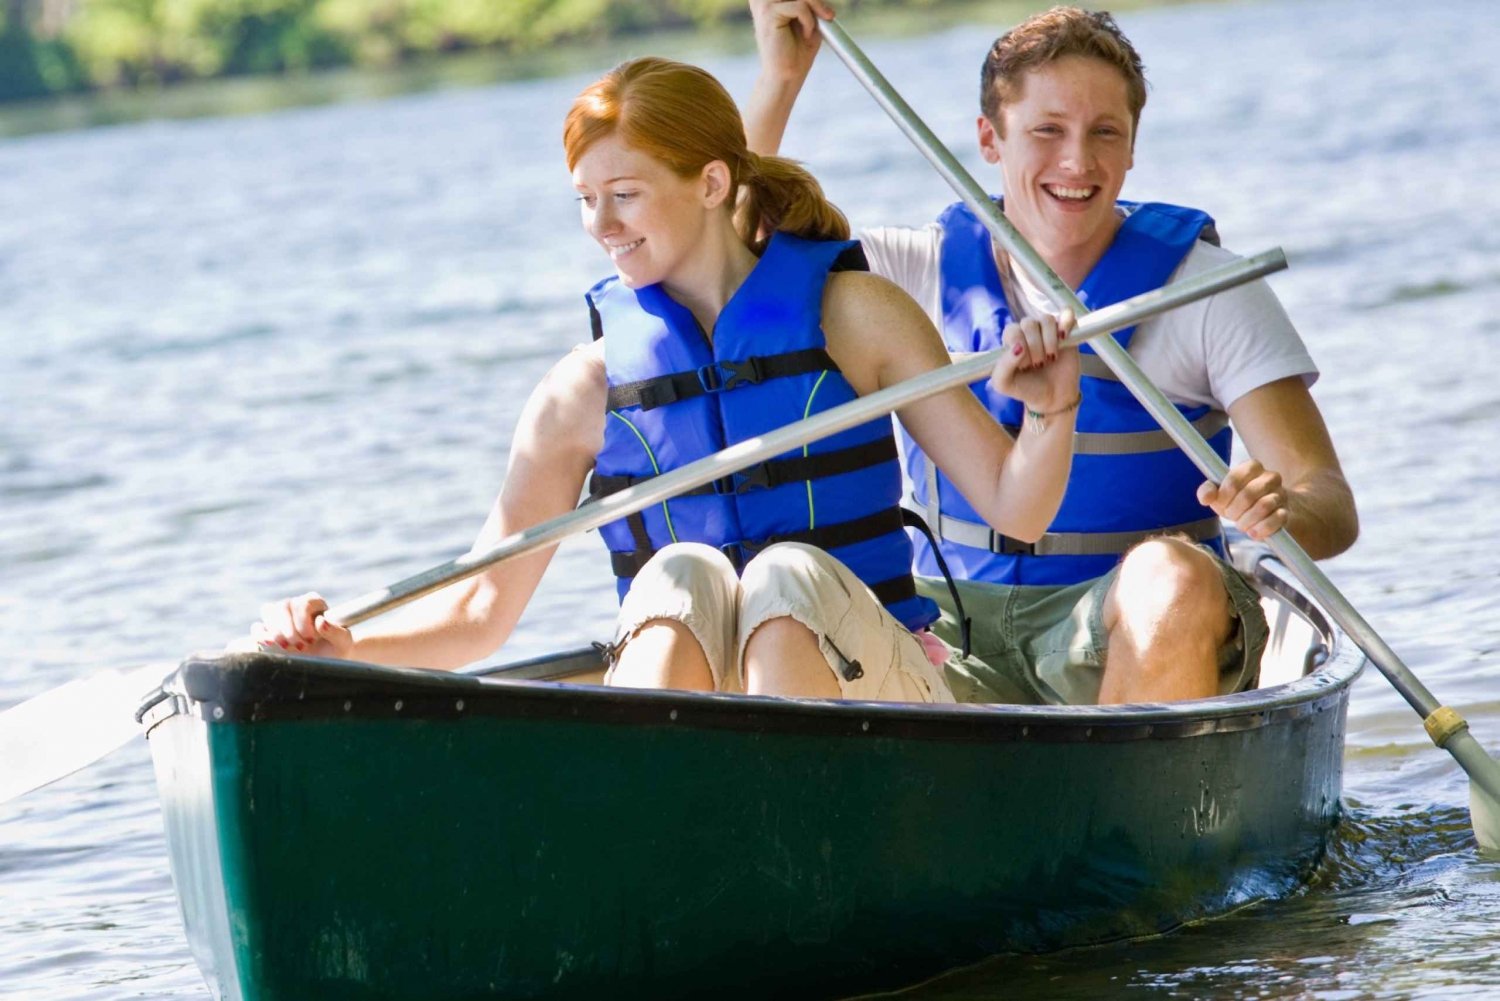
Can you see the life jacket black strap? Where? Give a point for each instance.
(596, 322)
(716, 377)
(844, 533)
(896, 589)
(851, 259)
(914, 520)
(773, 473)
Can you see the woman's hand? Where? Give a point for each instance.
(1252, 497)
(787, 35)
(1034, 367)
(299, 625)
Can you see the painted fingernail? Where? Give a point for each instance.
(282, 644)
(1017, 351)
(301, 646)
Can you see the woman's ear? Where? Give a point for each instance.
(716, 180)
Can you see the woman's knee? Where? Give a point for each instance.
(687, 562)
(788, 572)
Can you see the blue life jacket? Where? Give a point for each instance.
(1128, 480)
(675, 397)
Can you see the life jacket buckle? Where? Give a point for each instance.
(747, 371)
(718, 376)
(1004, 545)
(710, 378)
(754, 478)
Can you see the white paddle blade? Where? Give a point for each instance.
(1484, 813)
(55, 734)
(1484, 787)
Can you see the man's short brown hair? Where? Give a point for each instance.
(1043, 38)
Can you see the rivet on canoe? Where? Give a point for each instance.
(218, 712)
(1025, 731)
(399, 704)
(459, 705)
(1088, 731)
(672, 714)
(865, 726)
(348, 705)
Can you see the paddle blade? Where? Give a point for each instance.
(1484, 812)
(1484, 786)
(56, 733)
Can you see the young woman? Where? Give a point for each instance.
(739, 305)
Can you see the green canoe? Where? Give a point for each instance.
(338, 831)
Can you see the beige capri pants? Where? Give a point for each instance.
(872, 656)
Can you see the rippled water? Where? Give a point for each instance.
(249, 355)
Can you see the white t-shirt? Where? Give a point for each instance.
(1212, 351)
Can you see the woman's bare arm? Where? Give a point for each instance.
(880, 337)
(559, 432)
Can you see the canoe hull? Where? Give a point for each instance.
(345, 832)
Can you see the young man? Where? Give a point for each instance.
(1127, 598)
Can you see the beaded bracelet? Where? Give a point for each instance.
(1039, 418)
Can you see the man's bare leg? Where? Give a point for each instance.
(1167, 615)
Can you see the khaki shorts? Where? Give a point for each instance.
(1045, 645)
(873, 656)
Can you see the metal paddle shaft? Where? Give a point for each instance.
(1447, 729)
(56, 733)
(747, 453)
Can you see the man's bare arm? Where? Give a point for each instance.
(1294, 469)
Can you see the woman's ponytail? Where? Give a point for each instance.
(780, 196)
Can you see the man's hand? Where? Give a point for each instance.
(1252, 497)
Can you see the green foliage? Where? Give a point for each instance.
(109, 43)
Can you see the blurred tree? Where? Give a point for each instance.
(56, 45)
(19, 74)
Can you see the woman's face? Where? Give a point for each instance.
(647, 218)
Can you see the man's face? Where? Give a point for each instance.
(1064, 154)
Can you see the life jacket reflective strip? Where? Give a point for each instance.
(1128, 481)
(676, 397)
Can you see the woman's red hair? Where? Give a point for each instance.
(683, 117)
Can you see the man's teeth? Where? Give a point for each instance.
(620, 250)
(1077, 194)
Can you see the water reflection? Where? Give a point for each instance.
(1399, 908)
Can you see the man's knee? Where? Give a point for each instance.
(1173, 584)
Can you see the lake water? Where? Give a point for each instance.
(248, 356)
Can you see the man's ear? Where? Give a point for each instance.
(989, 140)
(715, 178)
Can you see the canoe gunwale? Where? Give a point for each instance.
(264, 687)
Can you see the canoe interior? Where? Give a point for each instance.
(337, 831)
